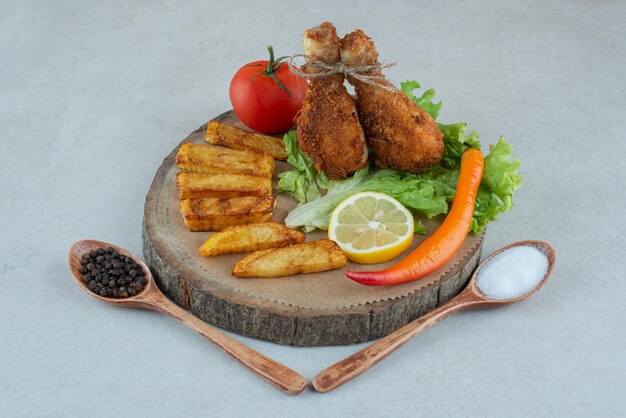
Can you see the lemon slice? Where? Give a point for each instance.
(371, 227)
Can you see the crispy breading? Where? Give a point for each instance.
(224, 186)
(309, 257)
(213, 214)
(400, 133)
(218, 133)
(329, 131)
(211, 159)
(252, 237)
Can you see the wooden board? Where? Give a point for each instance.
(306, 310)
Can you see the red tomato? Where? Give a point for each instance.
(260, 101)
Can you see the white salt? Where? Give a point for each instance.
(513, 272)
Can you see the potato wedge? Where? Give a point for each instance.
(252, 237)
(224, 186)
(309, 257)
(209, 159)
(213, 214)
(218, 133)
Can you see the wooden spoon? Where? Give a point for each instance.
(151, 297)
(350, 367)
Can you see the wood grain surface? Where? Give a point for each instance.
(307, 310)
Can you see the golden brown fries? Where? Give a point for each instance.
(309, 257)
(213, 214)
(218, 133)
(252, 237)
(209, 159)
(224, 186)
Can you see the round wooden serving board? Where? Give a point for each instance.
(312, 309)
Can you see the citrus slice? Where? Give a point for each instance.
(371, 227)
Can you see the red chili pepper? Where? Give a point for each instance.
(437, 249)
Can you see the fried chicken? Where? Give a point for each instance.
(400, 134)
(329, 131)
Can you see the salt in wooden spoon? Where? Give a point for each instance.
(350, 367)
(151, 297)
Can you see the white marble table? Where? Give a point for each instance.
(93, 95)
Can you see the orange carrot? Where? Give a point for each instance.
(439, 248)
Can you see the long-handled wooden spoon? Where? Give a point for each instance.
(151, 297)
(350, 367)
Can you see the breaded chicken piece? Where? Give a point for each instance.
(400, 134)
(329, 131)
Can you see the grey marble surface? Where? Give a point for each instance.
(93, 95)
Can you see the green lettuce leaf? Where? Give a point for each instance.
(419, 228)
(299, 183)
(499, 183)
(500, 174)
(415, 193)
(455, 143)
(425, 101)
(298, 186)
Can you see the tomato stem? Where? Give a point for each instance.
(272, 68)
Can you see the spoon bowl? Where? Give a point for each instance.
(470, 298)
(484, 300)
(148, 296)
(151, 297)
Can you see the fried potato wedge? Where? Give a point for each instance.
(252, 237)
(218, 133)
(213, 214)
(210, 159)
(309, 257)
(224, 186)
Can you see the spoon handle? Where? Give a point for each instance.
(271, 371)
(350, 367)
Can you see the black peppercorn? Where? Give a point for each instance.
(110, 274)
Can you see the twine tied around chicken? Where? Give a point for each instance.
(360, 72)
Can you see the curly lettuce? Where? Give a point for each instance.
(427, 194)
(425, 101)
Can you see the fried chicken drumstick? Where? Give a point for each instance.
(400, 134)
(329, 131)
